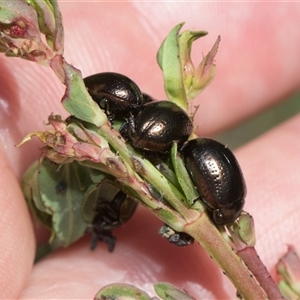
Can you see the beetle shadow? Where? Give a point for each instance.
(177, 265)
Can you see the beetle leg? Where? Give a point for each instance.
(103, 236)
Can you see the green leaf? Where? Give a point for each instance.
(121, 291)
(244, 229)
(62, 195)
(95, 175)
(56, 191)
(287, 292)
(169, 291)
(50, 23)
(83, 177)
(168, 172)
(288, 268)
(90, 202)
(18, 21)
(184, 180)
(186, 40)
(32, 196)
(7, 14)
(23, 24)
(205, 72)
(77, 100)
(168, 58)
(182, 81)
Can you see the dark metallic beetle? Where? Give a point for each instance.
(114, 93)
(147, 98)
(156, 125)
(113, 208)
(217, 175)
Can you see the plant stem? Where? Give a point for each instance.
(206, 234)
(254, 263)
(148, 172)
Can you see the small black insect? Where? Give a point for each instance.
(112, 210)
(180, 239)
(114, 93)
(216, 174)
(157, 125)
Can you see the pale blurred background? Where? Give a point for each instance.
(261, 123)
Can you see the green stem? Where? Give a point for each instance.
(206, 234)
(162, 211)
(146, 170)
